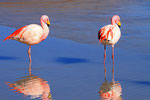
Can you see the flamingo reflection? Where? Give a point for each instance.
(110, 90)
(32, 86)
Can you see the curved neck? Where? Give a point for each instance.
(45, 30)
(113, 21)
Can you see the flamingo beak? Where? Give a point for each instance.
(48, 23)
(119, 24)
(49, 96)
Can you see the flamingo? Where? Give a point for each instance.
(32, 86)
(109, 35)
(31, 34)
(110, 90)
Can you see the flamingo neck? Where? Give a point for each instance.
(45, 30)
(113, 21)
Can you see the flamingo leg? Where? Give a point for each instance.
(104, 60)
(29, 53)
(113, 62)
(105, 71)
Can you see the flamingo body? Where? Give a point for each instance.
(31, 34)
(33, 86)
(109, 34)
(113, 92)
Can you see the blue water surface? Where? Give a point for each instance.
(71, 58)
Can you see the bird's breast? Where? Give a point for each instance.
(109, 35)
(32, 35)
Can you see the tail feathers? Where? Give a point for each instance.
(16, 33)
(99, 34)
(9, 37)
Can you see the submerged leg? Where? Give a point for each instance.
(113, 62)
(29, 53)
(104, 60)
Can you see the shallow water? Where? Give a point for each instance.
(71, 59)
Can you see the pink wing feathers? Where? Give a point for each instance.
(105, 32)
(17, 32)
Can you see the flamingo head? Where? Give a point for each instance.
(116, 20)
(45, 19)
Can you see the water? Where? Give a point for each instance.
(71, 59)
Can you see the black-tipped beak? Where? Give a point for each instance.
(119, 24)
(48, 23)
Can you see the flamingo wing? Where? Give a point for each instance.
(17, 32)
(106, 33)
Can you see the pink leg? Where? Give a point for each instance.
(113, 61)
(104, 60)
(29, 53)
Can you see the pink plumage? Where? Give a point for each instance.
(33, 86)
(109, 35)
(114, 92)
(31, 34)
(20, 30)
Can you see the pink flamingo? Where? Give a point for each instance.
(31, 34)
(33, 86)
(109, 35)
(110, 90)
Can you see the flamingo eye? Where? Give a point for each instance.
(47, 20)
(118, 20)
